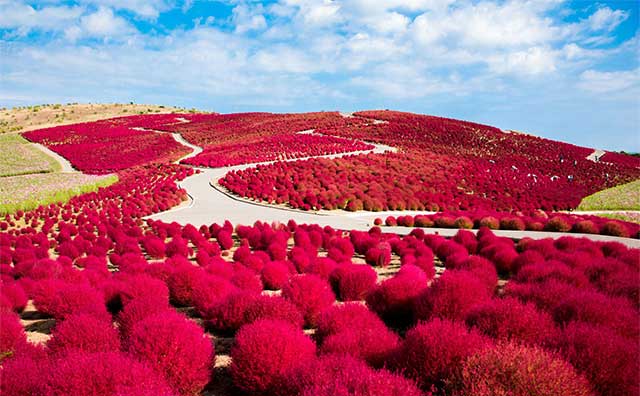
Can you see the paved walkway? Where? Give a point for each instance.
(596, 155)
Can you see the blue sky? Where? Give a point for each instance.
(568, 70)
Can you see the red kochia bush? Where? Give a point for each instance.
(275, 274)
(86, 333)
(105, 373)
(609, 361)
(14, 293)
(225, 240)
(139, 309)
(510, 319)
(516, 370)
(354, 281)
(175, 347)
(266, 353)
(597, 308)
(342, 375)
(393, 298)
(310, 294)
(341, 317)
(12, 336)
(154, 246)
(374, 344)
(243, 308)
(433, 352)
(60, 299)
(451, 296)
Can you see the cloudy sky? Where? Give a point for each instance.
(568, 70)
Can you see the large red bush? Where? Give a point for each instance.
(433, 352)
(85, 333)
(175, 347)
(511, 369)
(509, 319)
(310, 294)
(266, 353)
(451, 296)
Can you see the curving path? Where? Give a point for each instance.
(210, 203)
(64, 163)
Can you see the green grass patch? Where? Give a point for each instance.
(19, 157)
(27, 192)
(632, 217)
(623, 197)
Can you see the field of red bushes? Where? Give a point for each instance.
(536, 221)
(134, 306)
(443, 164)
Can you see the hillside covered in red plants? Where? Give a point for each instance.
(442, 164)
(135, 306)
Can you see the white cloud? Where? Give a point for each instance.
(486, 25)
(102, 23)
(609, 82)
(149, 9)
(23, 17)
(246, 18)
(606, 19)
(533, 61)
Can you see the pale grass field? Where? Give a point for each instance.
(21, 119)
(623, 197)
(19, 157)
(27, 192)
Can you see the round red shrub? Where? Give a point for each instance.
(393, 299)
(84, 332)
(511, 369)
(60, 299)
(509, 319)
(355, 282)
(342, 375)
(433, 352)
(310, 294)
(225, 240)
(379, 255)
(615, 228)
(176, 347)
(275, 274)
(557, 224)
(598, 309)
(14, 293)
(585, 227)
(609, 361)
(374, 345)
(154, 246)
(337, 318)
(451, 296)
(12, 336)
(490, 222)
(105, 373)
(139, 309)
(266, 353)
(243, 308)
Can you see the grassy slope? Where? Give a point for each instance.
(34, 187)
(623, 197)
(20, 119)
(19, 157)
(30, 191)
